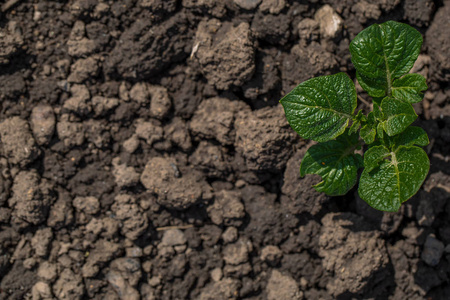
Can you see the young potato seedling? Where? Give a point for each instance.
(321, 109)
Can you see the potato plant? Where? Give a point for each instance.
(323, 109)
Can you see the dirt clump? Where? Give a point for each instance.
(330, 23)
(31, 199)
(71, 133)
(227, 209)
(260, 135)
(225, 53)
(78, 44)
(84, 69)
(18, 144)
(157, 96)
(69, 284)
(212, 160)
(102, 252)
(11, 39)
(282, 287)
(134, 221)
(215, 119)
(163, 178)
(271, 254)
(227, 288)
(124, 176)
(146, 52)
(42, 124)
(367, 249)
(124, 276)
(150, 132)
(418, 12)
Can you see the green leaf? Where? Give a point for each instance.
(377, 113)
(355, 126)
(360, 117)
(380, 130)
(398, 114)
(374, 155)
(377, 101)
(395, 180)
(320, 108)
(368, 131)
(409, 88)
(336, 162)
(411, 136)
(382, 53)
(374, 87)
(368, 134)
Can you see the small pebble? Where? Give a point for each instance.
(432, 250)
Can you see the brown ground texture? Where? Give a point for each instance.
(144, 154)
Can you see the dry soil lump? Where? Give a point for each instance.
(264, 138)
(148, 49)
(227, 288)
(418, 13)
(177, 132)
(330, 22)
(134, 220)
(30, 199)
(17, 142)
(173, 188)
(79, 102)
(236, 257)
(225, 53)
(86, 207)
(41, 290)
(70, 133)
(41, 241)
(272, 6)
(124, 276)
(166, 6)
(84, 69)
(10, 41)
(101, 253)
(150, 131)
(211, 159)
(282, 287)
(43, 123)
(124, 176)
(355, 254)
(69, 283)
(227, 209)
(159, 99)
(214, 119)
(264, 225)
(78, 45)
(247, 4)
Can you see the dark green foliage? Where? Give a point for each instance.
(322, 108)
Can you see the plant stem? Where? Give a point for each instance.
(369, 105)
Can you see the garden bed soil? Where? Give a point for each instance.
(144, 154)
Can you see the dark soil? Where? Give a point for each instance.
(144, 154)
